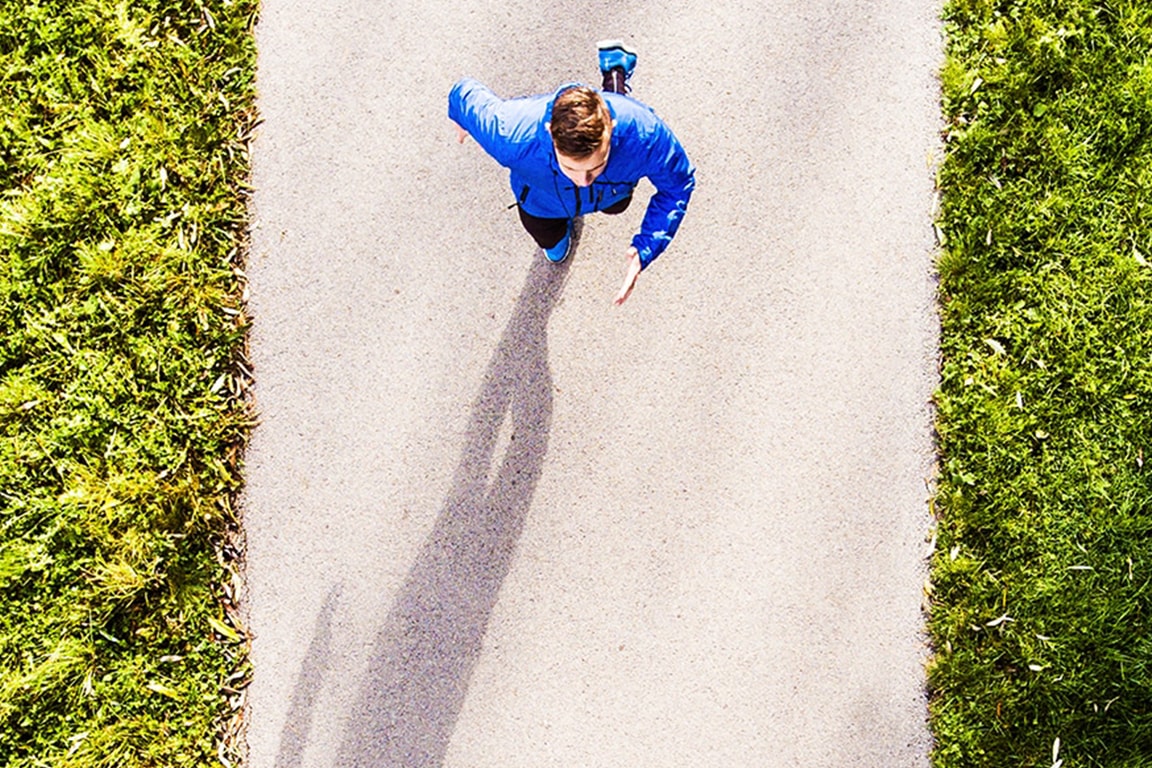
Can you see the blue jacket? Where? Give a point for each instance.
(512, 131)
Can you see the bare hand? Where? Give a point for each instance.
(461, 134)
(629, 277)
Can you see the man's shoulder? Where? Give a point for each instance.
(634, 118)
(629, 108)
(534, 104)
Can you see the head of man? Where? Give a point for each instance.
(581, 131)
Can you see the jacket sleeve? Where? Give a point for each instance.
(488, 120)
(674, 176)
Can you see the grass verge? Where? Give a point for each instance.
(122, 143)
(1041, 618)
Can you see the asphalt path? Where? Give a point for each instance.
(493, 520)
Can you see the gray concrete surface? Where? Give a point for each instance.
(493, 520)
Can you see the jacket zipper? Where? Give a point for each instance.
(523, 197)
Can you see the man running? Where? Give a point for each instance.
(580, 150)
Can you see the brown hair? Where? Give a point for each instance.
(580, 120)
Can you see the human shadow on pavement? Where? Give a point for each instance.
(423, 657)
(298, 724)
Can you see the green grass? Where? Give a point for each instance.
(122, 133)
(1042, 609)
(122, 213)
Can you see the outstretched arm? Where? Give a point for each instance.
(674, 177)
(484, 116)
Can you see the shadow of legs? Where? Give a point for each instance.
(423, 658)
(298, 724)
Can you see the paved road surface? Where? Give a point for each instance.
(493, 520)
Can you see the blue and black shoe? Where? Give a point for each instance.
(617, 63)
(560, 251)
